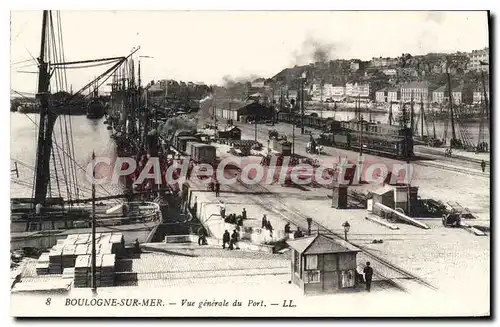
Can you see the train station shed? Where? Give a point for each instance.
(243, 111)
(323, 264)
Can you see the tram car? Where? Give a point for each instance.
(379, 139)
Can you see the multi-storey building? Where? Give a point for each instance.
(440, 94)
(380, 95)
(387, 95)
(478, 95)
(478, 56)
(383, 62)
(393, 95)
(338, 92)
(361, 90)
(390, 72)
(461, 94)
(415, 91)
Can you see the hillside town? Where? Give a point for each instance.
(379, 80)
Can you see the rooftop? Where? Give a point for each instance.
(416, 85)
(320, 244)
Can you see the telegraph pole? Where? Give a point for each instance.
(302, 81)
(93, 268)
(321, 98)
(360, 123)
(255, 128)
(273, 109)
(293, 132)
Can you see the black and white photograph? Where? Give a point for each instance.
(189, 163)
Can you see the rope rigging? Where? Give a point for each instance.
(64, 165)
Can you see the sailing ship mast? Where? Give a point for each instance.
(47, 120)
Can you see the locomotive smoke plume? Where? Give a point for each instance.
(314, 50)
(177, 123)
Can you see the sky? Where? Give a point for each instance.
(206, 46)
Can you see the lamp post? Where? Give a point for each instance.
(346, 229)
(255, 122)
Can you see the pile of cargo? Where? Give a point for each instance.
(72, 256)
(105, 271)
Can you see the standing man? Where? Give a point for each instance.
(225, 239)
(483, 165)
(368, 271)
(244, 214)
(264, 222)
(217, 188)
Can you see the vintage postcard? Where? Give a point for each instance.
(250, 163)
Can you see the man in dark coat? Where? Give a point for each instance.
(244, 214)
(234, 240)
(368, 271)
(226, 238)
(264, 221)
(217, 188)
(483, 165)
(202, 236)
(270, 228)
(287, 228)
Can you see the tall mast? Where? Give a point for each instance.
(390, 114)
(422, 116)
(450, 94)
(47, 120)
(411, 111)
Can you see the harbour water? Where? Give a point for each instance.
(92, 135)
(472, 127)
(88, 135)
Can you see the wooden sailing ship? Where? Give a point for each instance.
(41, 220)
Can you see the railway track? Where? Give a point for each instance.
(457, 169)
(453, 164)
(384, 269)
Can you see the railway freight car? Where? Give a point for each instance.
(203, 153)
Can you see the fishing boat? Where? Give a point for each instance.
(39, 221)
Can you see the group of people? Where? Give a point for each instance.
(214, 186)
(230, 240)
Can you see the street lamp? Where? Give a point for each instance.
(346, 229)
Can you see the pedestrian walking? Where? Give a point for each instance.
(233, 244)
(223, 212)
(264, 221)
(270, 228)
(483, 165)
(368, 271)
(217, 188)
(226, 238)
(244, 214)
(202, 236)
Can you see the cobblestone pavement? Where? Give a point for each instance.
(160, 262)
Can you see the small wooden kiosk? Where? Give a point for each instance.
(322, 264)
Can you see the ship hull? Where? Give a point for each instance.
(143, 232)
